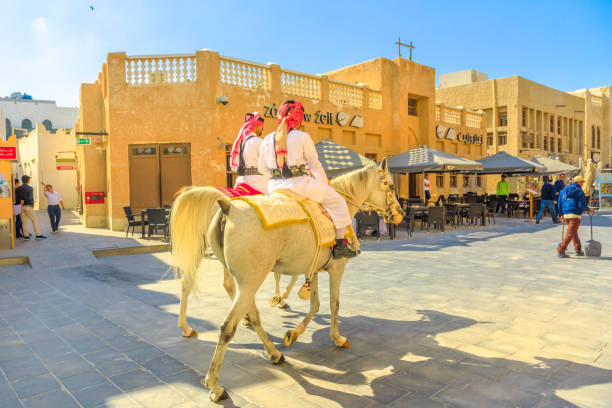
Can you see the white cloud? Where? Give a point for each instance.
(39, 24)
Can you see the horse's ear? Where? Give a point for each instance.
(383, 164)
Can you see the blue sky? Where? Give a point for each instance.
(50, 48)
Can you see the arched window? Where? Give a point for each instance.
(9, 129)
(47, 124)
(598, 137)
(26, 124)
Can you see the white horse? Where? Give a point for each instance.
(249, 252)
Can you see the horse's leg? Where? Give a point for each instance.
(188, 332)
(228, 284)
(287, 292)
(276, 299)
(292, 335)
(335, 278)
(255, 320)
(242, 303)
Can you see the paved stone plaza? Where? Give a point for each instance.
(479, 317)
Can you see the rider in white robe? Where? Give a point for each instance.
(245, 154)
(301, 156)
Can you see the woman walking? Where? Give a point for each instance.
(54, 201)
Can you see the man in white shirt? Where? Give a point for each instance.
(54, 201)
(244, 159)
(287, 155)
(427, 187)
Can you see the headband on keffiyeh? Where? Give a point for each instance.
(290, 115)
(251, 121)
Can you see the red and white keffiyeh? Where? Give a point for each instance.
(290, 116)
(251, 121)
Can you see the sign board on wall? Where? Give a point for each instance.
(65, 164)
(8, 153)
(322, 118)
(450, 133)
(83, 141)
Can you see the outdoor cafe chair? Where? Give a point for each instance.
(132, 221)
(475, 212)
(435, 216)
(451, 212)
(157, 220)
(491, 206)
(407, 221)
(367, 221)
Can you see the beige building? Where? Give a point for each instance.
(527, 119)
(50, 156)
(156, 123)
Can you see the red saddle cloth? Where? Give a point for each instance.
(241, 190)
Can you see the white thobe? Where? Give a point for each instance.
(250, 154)
(301, 151)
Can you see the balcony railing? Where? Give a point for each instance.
(295, 83)
(342, 93)
(242, 73)
(156, 69)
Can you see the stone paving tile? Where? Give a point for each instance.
(68, 366)
(14, 352)
(133, 379)
(57, 398)
(83, 380)
(97, 395)
(125, 342)
(158, 396)
(163, 366)
(6, 392)
(415, 400)
(35, 385)
(19, 369)
(144, 353)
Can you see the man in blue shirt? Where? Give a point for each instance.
(571, 204)
(548, 201)
(559, 185)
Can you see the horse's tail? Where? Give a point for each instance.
(191, 215)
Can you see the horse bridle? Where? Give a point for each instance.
(391, 212)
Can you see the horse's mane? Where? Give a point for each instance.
(355, 182)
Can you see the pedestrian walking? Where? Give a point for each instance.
(549, 199)
(24, 195)
(559, 185)
(503, 190)
(427, 187)
(571, 204)
(17, 213)
(54, 201)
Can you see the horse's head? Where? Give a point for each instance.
(383, 196)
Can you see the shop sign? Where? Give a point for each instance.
(8, 153)
(321, 118)
(65, 167)
(83, 141)
(450, 133)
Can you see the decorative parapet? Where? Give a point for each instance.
(296, 83)
(452, 115)
(375, 100)
(473, 119)
(237, 72)
(342, 93)
(156, 69)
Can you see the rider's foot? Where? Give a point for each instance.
(341, 250)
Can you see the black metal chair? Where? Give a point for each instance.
(157, 220)
(451, 212)
(407, 221)
(441, 200)
(475, 213)
(490, 208)
(132, 220)
(367, 221)
(435, 216)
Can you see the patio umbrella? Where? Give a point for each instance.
(555, 166)
(505, 163)
(337, 159)
(424, 159)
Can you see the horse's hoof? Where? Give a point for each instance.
(246, 322)
(218, 396)
(283, 305)
(290, 337)
(281, 360)
(346, 344)
(192, 334)
(275, 301)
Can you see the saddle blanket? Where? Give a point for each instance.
(241, 190)
(286, 208)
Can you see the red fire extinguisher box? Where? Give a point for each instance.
(94, 198)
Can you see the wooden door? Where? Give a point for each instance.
(175, 170)
(413, 190)
(144, 176)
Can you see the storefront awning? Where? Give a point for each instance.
(337, 159)
(555, 166)
(424, 159)
(505, 163)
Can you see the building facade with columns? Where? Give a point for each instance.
(528, 119)
(157, 123)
